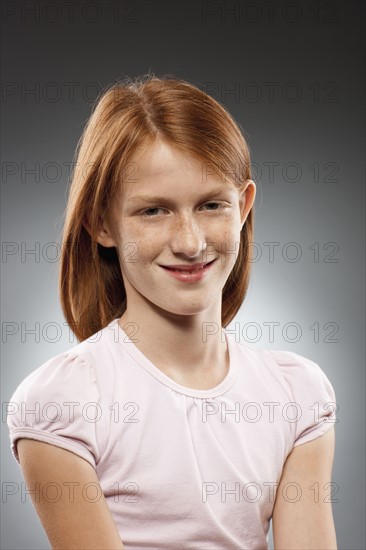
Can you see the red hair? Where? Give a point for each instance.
(127, 117)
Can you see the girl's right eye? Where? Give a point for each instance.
(144, 212)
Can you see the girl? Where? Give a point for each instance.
(160, 429)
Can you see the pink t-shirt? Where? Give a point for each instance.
(179, 467)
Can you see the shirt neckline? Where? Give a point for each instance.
(146, 364)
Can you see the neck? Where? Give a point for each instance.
(190, 346)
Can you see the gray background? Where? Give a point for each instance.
(292, 74)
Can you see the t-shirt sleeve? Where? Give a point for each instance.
(308, 387)
(58, 403)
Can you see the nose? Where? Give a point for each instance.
(187, 237)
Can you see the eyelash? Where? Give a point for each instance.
(143, 212)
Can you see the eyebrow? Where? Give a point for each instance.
(154, 199)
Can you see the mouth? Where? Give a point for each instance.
(188, 269)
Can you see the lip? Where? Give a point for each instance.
(186, 267)
(187, 277)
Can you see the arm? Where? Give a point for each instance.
(76, 524)
(306, 524)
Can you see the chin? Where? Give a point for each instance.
(182, 310)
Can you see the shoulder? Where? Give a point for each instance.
(72, 373)
(63, 402)
(301, 374)
(297, 375)
(312, 403)
(68, 369)
(89, 362)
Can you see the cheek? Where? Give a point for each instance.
(136, 247)
(229, 243)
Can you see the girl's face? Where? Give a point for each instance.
(170, 213)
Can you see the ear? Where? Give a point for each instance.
(246, 199)
(105, 236)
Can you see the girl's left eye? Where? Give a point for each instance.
(215, 203)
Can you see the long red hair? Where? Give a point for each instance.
(128, 116)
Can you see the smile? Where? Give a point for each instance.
(191, 275)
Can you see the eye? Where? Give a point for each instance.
(218, 204)
(144, 212)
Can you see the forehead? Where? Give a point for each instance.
(160, 173)
(161, 169)
(160, 159)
